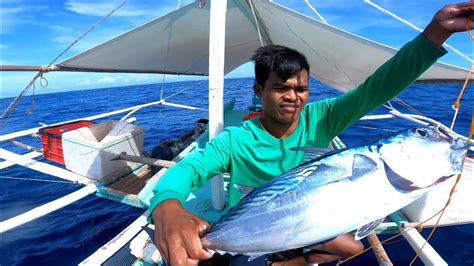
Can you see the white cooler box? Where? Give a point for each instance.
(88, 150)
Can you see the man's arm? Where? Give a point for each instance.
(401, 70)
(177, 231)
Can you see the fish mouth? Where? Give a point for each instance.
(405, 185)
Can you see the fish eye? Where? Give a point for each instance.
(422, 132)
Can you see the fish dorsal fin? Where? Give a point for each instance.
(362, 164)
(313, 152)
(367, 229)
(256, 255)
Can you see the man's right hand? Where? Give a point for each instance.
(177, 234)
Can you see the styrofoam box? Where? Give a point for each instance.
(89, 151)
(461, 207)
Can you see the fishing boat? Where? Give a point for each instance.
(107, 156)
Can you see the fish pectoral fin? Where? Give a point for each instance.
(362, 164)
(367, 229)
(244, 189)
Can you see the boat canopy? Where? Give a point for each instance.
(178, 43)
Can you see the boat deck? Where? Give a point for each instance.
(136, 187)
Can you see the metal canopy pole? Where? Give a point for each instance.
(216, 86)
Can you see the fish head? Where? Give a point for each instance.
(423, 156)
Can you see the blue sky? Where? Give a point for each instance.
(33, 32)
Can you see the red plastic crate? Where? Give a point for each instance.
(51, 139)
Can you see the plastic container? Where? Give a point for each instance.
(89, 151)
(51, 139)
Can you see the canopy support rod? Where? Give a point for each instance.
(46, 208)
(25, 146)
(51, 68)
(43, 68)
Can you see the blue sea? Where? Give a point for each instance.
(69, 235)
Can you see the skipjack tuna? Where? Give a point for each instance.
(338, 192)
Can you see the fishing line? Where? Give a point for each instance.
(457, 104)
(453, 189)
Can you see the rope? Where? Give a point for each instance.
(36, 180)
(409, 107)
(316, 12)
(376, 128)
(163, 100)
(12, 106)
(162, 87)
(456, 107)
(457, 103)
(186, 88)
(456, 51)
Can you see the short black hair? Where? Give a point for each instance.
(283, 60)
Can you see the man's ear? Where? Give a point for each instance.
(258, 89)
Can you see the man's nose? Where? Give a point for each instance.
(292, 94)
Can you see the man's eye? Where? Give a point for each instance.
(301, 89)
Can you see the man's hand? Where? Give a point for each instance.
(448, 20)
(177, 234)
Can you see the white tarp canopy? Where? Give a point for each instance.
(179, 43)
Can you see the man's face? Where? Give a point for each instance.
(283, 100)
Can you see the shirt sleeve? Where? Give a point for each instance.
(386, 82)
(193, 171)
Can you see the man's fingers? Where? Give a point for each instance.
(161, 245)
(163, 251)
(195, 250)
(178, 255)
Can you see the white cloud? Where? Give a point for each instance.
(85, 82)
(106, 80)
(3, 46)
(128, 10)
(12, 15)
(64, 36)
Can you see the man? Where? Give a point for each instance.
(259, 149)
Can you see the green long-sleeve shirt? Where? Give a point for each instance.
(253, 157)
